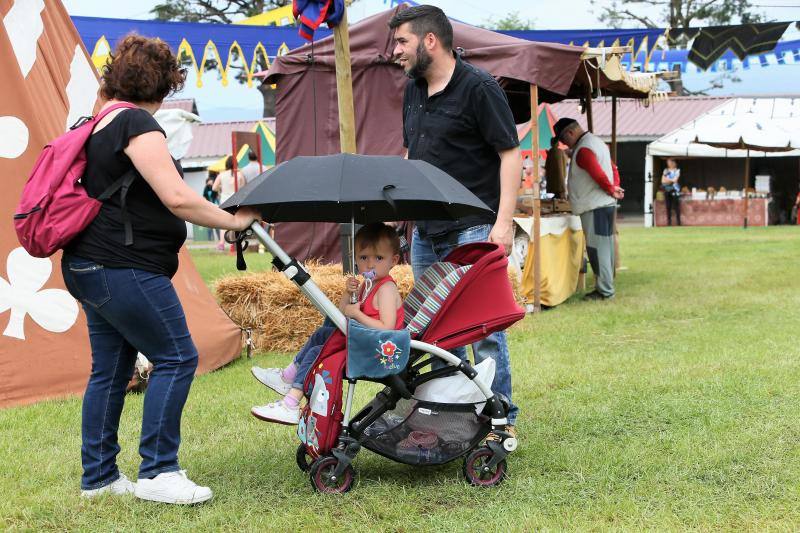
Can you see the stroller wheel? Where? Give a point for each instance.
(322, 478)
(478, 473)
(303, 459)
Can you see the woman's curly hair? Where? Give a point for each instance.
(142, 70)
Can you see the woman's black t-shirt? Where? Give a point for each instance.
(157, 233)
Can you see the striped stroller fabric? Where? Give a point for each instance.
(430, 291)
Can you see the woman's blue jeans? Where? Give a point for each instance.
(128, 311)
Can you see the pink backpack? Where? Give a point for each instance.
(55, 207)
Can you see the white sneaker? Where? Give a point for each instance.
(271, 377)
(172, 487)
(121, 486)
(277, 412)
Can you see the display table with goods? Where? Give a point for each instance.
(715, 208)
(561, 244)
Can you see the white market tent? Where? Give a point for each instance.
(783, 113)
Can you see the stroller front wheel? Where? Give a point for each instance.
(303, 459)
(478, 472)
(324, 480)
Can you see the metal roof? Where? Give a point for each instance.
(187, 104)
(213, 139)
(634, 120)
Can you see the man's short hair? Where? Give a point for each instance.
(374, 233)
(426, 19)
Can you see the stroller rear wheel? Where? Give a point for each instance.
(323, 479)
(303, 459)
(478, 472)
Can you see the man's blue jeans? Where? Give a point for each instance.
(426, 251)
(130, 310)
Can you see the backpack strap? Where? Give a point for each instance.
(122, 184)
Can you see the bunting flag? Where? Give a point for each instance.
(311, 14)
(48, 82)
(247, 44)
(202, 43)
(782, 53)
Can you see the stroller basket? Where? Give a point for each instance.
(426, 433)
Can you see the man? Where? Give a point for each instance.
(594, 189)
(252, 169)
(456, 117)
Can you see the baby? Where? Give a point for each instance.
(381, 307)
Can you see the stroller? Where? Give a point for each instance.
(457, 302)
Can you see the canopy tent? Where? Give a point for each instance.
(307, 95)
(783, 113)
(44, 347)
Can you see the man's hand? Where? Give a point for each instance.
(619, 193)
(503, 233)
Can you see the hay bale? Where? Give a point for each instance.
(279, 315)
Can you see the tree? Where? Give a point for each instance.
(225, 12)
(512, 21)
(677, 13)
(220, 11)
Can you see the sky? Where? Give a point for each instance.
(237, 102)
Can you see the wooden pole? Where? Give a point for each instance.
(589, 118)
(617, 260)
(746, 183)
(614, 129)
(537, 208)
(344, 87)
(347, 118)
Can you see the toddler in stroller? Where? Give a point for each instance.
(379, 307)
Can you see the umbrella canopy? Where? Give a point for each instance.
(361, 188)
(747, 132)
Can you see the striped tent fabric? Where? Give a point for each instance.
(430, 291)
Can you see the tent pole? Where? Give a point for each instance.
(344, 92)
(589, 117)
(537, 209)
(614, 129)
(746, 183)
(617, 260)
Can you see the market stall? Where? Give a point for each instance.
(561, 246)
(727, 186)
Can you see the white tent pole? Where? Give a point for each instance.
(648, 189)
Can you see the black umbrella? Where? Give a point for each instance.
(356, 188)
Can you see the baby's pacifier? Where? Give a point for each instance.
(369, 276)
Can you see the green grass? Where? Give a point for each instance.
(675, 406)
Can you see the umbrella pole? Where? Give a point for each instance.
(746, 182)
(353, 296)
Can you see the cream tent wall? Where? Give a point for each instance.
(48, 82)
(784, 112)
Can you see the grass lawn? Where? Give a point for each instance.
(674, 406)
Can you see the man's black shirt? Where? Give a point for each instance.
(460, 130)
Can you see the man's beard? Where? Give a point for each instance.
(423, 62)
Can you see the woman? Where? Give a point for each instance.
(125, 289)
(672, 190)
(225, 188)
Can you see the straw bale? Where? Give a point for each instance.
(279, 315)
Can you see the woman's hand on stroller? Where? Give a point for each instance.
(245, 216)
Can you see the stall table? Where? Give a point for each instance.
(562, 246)
(723, 212)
